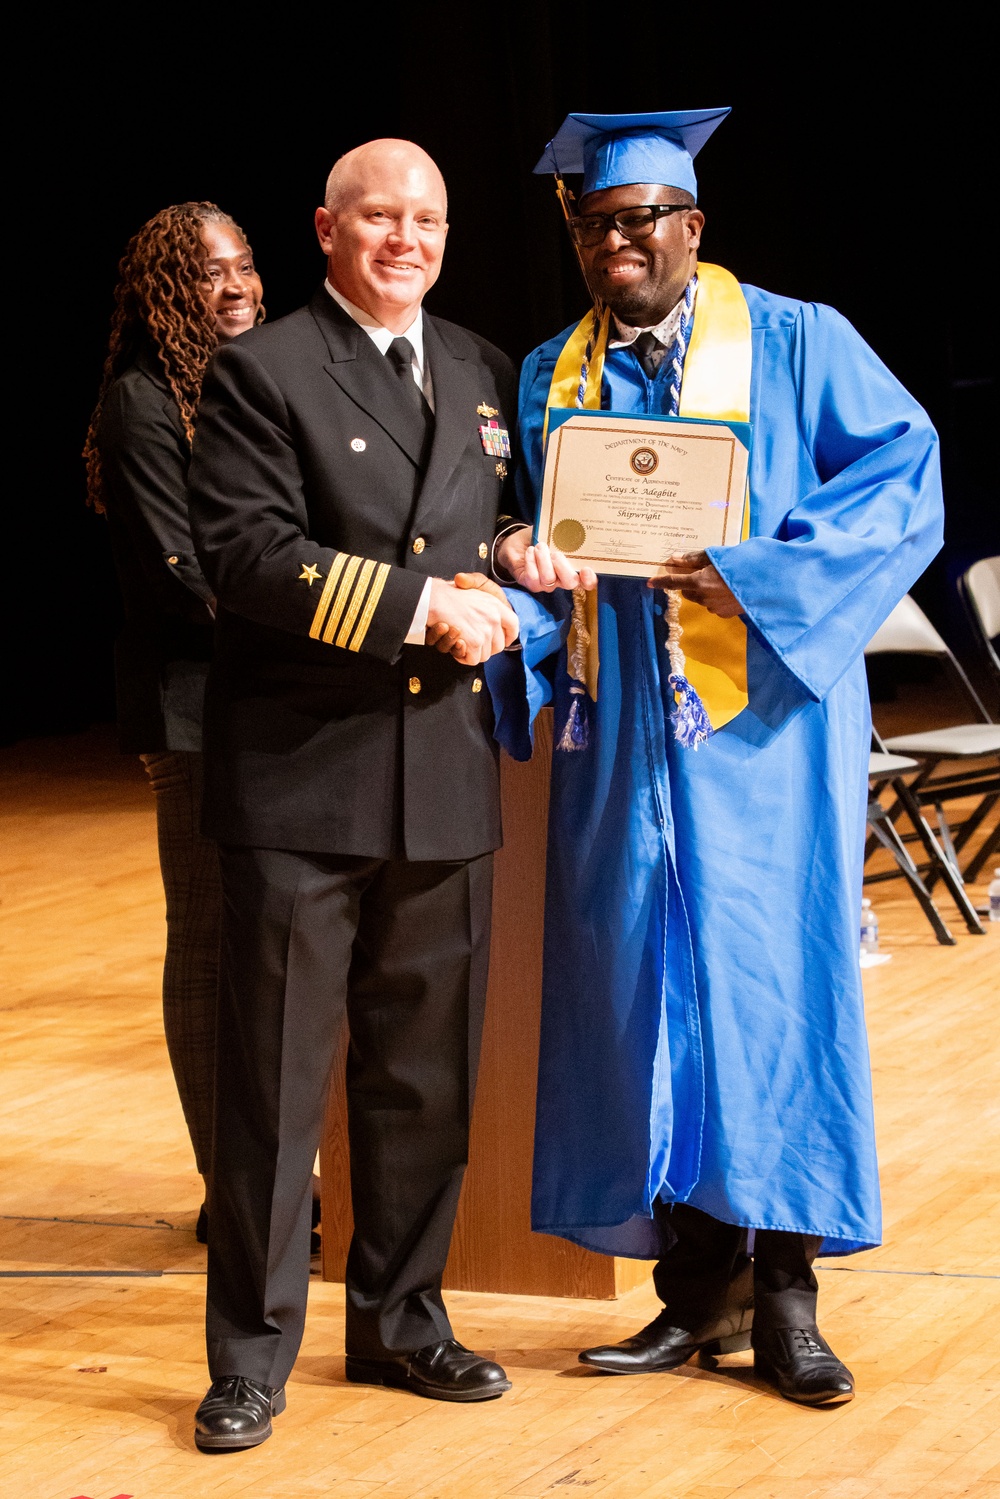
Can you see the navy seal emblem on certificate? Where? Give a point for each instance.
(643, 461)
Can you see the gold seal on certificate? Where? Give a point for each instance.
(622, 492)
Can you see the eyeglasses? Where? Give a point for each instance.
(632, 223)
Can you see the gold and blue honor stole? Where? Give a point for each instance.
(715, 385)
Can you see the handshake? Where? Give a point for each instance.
(470, 618)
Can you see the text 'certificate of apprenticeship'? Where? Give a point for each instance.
(621, 492)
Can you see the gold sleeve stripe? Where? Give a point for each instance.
(370, 606)
(327, 594)
(340, 602)
(357, 595)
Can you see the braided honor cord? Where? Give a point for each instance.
(691, 723)
(588, 354)
(679, 350)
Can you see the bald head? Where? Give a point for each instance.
(383, 229)
(382, 162)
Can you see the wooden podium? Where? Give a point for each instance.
(493, 1248)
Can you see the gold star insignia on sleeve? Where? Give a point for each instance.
(309, 574)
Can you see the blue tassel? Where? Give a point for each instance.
(692, 725)
(576, 730)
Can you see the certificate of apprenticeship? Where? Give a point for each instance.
(621, 493)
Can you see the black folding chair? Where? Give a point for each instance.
(979, 590)
(969, 752)
(885, 770)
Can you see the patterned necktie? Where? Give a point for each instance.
(400, 356)
(649, 352)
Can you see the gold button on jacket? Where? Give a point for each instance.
(173, 561)
(419, 545)
(414, 685)
(484, 550)
(477, 684)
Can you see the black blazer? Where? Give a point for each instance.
(164, 646)
(317, 518)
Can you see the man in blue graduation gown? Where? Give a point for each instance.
(704, 1086)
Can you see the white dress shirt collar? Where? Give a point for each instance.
(665, 331)
(382, 337)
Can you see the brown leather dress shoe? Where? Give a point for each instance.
(441, 1371)
(662, 1345)
(236, 1413)
(802, 1366)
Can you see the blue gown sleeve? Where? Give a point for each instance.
(519, 681)
(819, 586)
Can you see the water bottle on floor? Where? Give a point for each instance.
(869, 927)
(995, 896)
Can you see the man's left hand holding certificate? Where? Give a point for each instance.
(635, 496)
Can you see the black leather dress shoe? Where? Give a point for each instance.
(664, 1346)
(802, 1366)
(236, 1413)
(441, 1371)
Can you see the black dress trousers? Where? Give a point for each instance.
(405, 946)
(705, 1270)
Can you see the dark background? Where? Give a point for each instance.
(854, 170)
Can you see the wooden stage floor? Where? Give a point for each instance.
(103, 1282)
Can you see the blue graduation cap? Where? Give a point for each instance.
(613, 150)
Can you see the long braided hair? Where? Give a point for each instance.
(160, 299)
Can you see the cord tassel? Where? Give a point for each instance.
(692, 725)
(576, 730)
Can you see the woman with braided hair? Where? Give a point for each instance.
(186, 282)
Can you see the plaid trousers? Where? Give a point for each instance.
(189, 864)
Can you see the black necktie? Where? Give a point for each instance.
(400, 356)
(649, 352)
